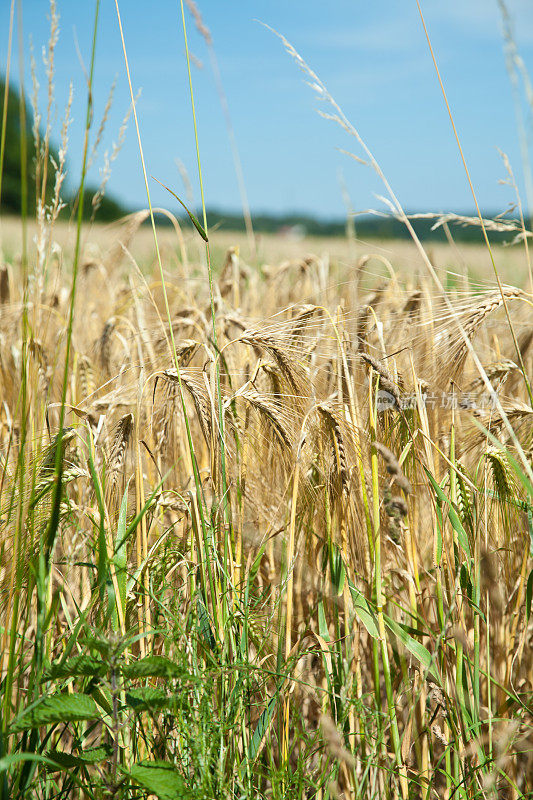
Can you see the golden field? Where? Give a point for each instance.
(267, 535)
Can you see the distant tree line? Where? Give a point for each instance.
(11, 199)
(366, 227)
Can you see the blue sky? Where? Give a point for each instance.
(372, 57)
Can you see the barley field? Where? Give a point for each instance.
(285, 556)
(266, 505)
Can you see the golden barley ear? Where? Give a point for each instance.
(39, 354)
(271, 411)
(454, 352)
(103, 344)
(502, 475)
(386, 381)
(117, 453)
(393, 467)
(294, 374)
(86, 377)
(202, 403)
(333, 429)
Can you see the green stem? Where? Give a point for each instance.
(380, 599)
(228, 531)
(196, 473)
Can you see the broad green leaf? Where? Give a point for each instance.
(78, 665)
(102, 700)
(466, 582)
(324, 641)
(415, 647)
(56, 708)
(438, 549)
(64, 760)
(456, 524)
(160, 779)
(17, 758)
(238, 697)
(153, 666)
(132, 527)
(440, 527)
(364, 611)
(106, 647)
(149, 698)
(101, 645)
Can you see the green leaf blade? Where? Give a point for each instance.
(193, 219)
(59, 708)
(160, 779)
(153, 666)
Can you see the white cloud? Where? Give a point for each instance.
(482, 18)
(398, 33)
(384, 27)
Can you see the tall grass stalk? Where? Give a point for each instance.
(206, 34)
(228, 534)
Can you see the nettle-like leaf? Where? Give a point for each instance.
(161, 779)
(76, 666)
(149, 698)
(154, 666)
(58, 708)
(104, 646)
(64, 760)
